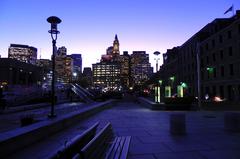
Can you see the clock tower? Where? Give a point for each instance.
(116, 46)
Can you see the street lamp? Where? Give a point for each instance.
(54, 21)
(156, 53)
(75, 76)
(199, 75)
(157, 88)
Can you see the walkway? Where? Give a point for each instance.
(12, 121)
(205, 139)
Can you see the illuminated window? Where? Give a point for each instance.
(167, 91)
(180, 91)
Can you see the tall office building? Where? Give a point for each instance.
(77, 64)
(62, 51)
(106, 75)
(87, 75)
(141, 69)
(87, 72)
(63, 65)
(46, 66)
(24, 53)
(60, 58)
(69, 75)
(131, 70)
(125, 69)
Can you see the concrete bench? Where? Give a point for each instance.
(105, 145)
(71, 148)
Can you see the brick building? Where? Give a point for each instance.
(218, 47)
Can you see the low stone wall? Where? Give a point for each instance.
(162, 106)
(14, 140)
(150, 104)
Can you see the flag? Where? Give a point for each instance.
(229, 9)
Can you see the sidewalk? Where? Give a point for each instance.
(18, 139)
(12, 121)
(205, 138)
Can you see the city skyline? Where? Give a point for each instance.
(89, 28)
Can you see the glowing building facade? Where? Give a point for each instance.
(123, 71)
(106, 75)
(141, 69)
(63, 66)
(23, 53)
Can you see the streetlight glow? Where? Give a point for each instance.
(172, 78)
(210, 69)
(160, 82)
(183, 84)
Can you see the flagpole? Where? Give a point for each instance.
(230, 9)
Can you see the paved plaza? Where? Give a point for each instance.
(151, 139)
(11, 121)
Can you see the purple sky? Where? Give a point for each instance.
(89, 26)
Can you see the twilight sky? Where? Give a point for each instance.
(89, 26)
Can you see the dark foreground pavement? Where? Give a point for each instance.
(12, 121)
(205, 138)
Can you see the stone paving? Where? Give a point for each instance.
(205, 138)
(12, 121)
(151, 139)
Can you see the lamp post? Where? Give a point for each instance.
(157, 88)
(54, 21)
(156, 53)
(199, 75)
